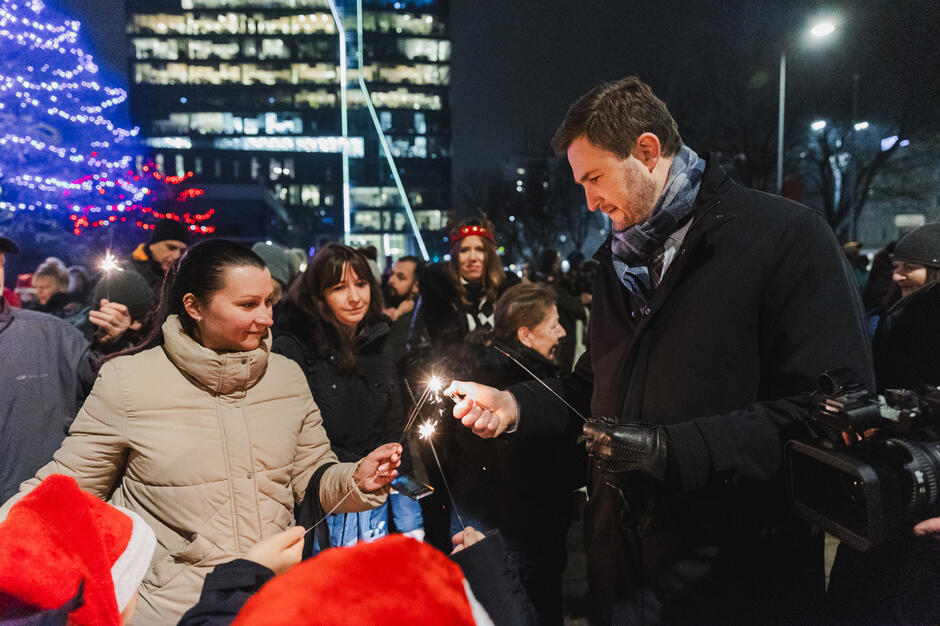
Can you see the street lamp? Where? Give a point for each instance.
(818, 31)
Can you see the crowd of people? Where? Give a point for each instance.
(180, 431)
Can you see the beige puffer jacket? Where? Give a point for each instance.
(212, 450)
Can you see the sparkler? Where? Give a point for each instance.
(542, 382)
(426, 430)
(109, 264)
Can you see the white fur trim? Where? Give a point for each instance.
(480, 616)
(129, 569)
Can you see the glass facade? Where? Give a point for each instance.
(254, 91)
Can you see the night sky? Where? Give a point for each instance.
(518, 64)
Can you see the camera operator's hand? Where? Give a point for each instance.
(928, 527)
(627, 448)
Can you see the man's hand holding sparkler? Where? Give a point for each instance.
(488, 412)
(379, 467)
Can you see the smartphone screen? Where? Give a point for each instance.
(408, 486)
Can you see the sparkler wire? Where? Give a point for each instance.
(446, 486)
(542, 382)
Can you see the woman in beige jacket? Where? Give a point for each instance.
(206, 434)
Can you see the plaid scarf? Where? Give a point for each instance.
(634, 247)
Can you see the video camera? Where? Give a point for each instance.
(885, 479)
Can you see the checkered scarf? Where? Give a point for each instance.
(634, 247)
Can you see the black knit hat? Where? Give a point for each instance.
(170, 229)
(128, 288)
(8, 246)
(921, 246)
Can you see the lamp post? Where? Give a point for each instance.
(822, 29)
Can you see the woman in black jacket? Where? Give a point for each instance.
(457, 296)
(332, 326)
(522, 487)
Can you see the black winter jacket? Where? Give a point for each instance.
(757, 303)
(361, 411)
(906, 345)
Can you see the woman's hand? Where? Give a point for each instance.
(466, 538)
(378, 468)
(280, 552)
(488, 412)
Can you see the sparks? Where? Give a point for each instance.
(110, 263)
(426, 429)
(436, 384)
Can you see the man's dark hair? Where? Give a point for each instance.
(613, 116)
(419, 265)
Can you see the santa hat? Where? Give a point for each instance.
(394, 580)
(59, 541)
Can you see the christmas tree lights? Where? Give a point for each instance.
(61, 153)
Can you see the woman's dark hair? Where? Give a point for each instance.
(493, 276)
(524, 305)
(309, 294)
(199, 271)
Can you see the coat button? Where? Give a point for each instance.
(238, 404)
(244, 361)
(248, 476)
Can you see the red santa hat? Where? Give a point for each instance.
(394, 580)
(58, 541)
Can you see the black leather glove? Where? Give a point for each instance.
(627, 448)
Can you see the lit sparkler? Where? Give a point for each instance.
(110, 263)
(427, 429)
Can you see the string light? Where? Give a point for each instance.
(60, 149)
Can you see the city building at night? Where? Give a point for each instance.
(340, 108)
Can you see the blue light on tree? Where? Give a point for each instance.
(60, 151)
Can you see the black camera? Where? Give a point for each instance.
(885, 479)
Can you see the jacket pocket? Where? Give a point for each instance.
(187, 553)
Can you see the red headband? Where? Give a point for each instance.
(467, 231)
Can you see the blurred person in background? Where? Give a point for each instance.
(457, 296)
(153, 260)
(333, 328)
(51, 283)
(570, 306)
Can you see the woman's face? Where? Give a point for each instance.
(909, 276)
(46, 287)
(237, 316)
(472, 257)
(544, 337)
(349, 299)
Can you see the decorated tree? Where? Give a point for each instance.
(66, 165)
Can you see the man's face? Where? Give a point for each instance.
(167, 251)
(402, 281)
(622, 188)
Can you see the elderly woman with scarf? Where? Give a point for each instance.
(523, 488)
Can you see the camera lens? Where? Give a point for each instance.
(920, 475)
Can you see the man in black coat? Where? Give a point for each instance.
(714, 310)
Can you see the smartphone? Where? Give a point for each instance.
(408, 486)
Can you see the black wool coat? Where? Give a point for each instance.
(906, 344)
(757, 303)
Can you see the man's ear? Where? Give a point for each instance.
(415, 288)
(524, 335)
(648, 150)
(192, 306)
